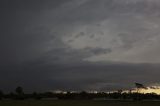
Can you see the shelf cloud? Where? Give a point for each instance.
(79, 44)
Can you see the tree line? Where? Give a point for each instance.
(20, 95)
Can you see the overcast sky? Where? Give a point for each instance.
(79, 44)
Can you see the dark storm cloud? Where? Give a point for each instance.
(78, 76)
(32, 5)
(78, 44)
(98, 50)
(80, 34)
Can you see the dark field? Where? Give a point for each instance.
(78, 103)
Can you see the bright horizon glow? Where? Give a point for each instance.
(152, 89)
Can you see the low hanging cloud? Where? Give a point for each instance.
(130, 31)
(83, 43)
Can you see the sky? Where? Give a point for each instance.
(79, 44)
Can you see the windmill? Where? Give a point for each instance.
(139, 86)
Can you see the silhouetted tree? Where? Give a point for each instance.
(83, 95)
(19, 90)
(20, 94)
(120, 91)
(36, 96)
(1, 94)
(11, 95)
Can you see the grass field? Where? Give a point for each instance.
(78, 103)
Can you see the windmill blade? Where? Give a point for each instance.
(138, 85)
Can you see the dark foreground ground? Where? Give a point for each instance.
(78, 103)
